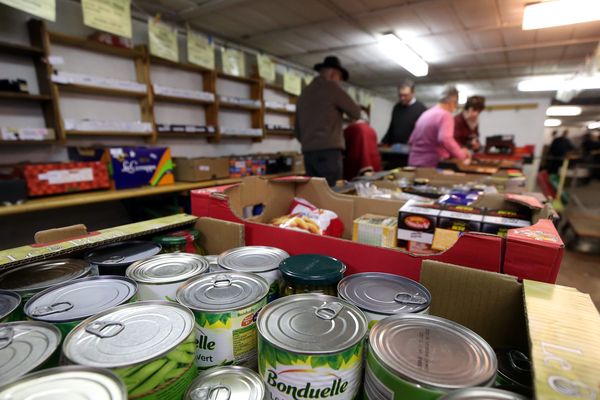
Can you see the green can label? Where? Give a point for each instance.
(291, 376)
(173, 390)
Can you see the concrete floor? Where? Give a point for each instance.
(581, 271)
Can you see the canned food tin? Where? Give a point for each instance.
(514, 371)
(478, 393)
(380, 295)
(311, 346)
(230, 382)
(311, 273)
(159, 277)
(424, 357)
(150, 345)
(9, 304)
(26, 346)
(213, 262)
(261, 260)
(113, 259)
(182, 241)
(225, 306)
(30, 279)
(68, 304)
(67, 383)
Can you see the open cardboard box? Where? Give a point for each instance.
(475, 250)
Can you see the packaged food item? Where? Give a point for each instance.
(461, 218)
(56, 178)
(225, 305)
(376, 230)
(498, 222)
(311, 273)
(182, 241)
(26, 346)
(311, 346)
(307, 217)
(417, 221)
(150, 345)
(229, 382)
(113, 259)
(140, 166)
(9, 305)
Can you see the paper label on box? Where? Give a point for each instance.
(56, 60)
(415, 236)
(9, 134)
(420, 210)
(63, 176)
(204, 168)
(517, 223)
(461, 216)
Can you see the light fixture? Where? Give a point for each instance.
(552, 122)
(398, 51)
(552, 83)
(560, 12)
(594, 125)
(563, 111)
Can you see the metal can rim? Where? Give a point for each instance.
(14, 294)
(222, 256)
(83, 263)
(136, 266)
(242, 370)
(89, 255)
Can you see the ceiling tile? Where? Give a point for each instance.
(483, 40)
(517, 36)
(476, 13)
(439, 17)
(511, 11)
(554, 34)
(520, 56)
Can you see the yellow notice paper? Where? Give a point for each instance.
(266, 68)
(113, 16)
(292, 83)
(353, 93)
(308, 79)
(365, 99)
(200, 49)
(233, 62)
(40, 8)
(163, 40)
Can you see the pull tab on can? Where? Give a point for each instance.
(222, 281)
(329, 311)
(6, 337)
(96, 328)
(220, 392)
(55, 308)
(407, 298)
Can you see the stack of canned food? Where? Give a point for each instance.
(252, 323)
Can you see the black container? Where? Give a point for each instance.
(514, 371)
(113, 259)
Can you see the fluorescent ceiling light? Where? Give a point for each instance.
(398, 51)
(563, 111)
(560, 12)
(552, 122)
(559, 82)
(594, 125)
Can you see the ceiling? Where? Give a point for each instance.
(476, 43)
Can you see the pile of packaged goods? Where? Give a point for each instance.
(131, 321)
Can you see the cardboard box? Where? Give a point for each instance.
(56, 178)
(201, 169)
(417, 221)
(240, 166)
(140, 166)
(376, 230)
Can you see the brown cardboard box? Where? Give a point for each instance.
(201, 169)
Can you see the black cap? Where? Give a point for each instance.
(333, 62)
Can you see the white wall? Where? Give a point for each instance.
(381, 114)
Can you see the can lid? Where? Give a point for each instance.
(252, 259)
(383, 293)
(480, 393)
(230, 382)
(79, 299)
(24, 346)
(312, 324)
(67, 383)
(222, 291)
(514, 366)
(179, 237)
(312, 269)
(432, 352)
(129, 334)
(9, 301)
(123, 253)
(43, 274)
(165, 268)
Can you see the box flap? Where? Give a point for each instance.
(217, 236)
(542, 233)
(564, 335)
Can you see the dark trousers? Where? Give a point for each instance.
(327, 164)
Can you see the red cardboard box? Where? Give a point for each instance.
(56, 178)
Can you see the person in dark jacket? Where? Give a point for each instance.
(318, 125)
(405, 115)
(466, 124)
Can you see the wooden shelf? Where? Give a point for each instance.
(244, 79)
(279, 111)
(254, 138)
(107, 133)
(20, 49)
(24, 96)
(77, 199)
(27, 142)
(101, 91)
(276, 88)
(276, 132)
(184, 66)
(231, 106)
(181, 100)
(91, 45)
(164, 135)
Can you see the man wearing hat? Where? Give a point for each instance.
(318, 127)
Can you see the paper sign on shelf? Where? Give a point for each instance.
(292, 83)
(112, 16)
(308, 79)
(233, 62)
(40, 8)
(163, 40)
(352, 93)
(266, 67)
(365, 99)
(200, 49)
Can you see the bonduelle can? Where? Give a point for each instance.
(148, 344)
(225, 305)
(9, 305)
(261, 260)
(311, 346)
(380, 295)
(424, 357)
(479, 393)
(114, 258)
(26, 346)
(160, 276)
(227, 382)
(64, 382)
(66, 305)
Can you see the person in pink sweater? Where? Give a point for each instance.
(432, 139)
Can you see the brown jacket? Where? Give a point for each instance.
(319, 115)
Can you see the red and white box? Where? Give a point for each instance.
(57, 178)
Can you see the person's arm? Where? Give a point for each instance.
(446, 138)
(344, 102)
